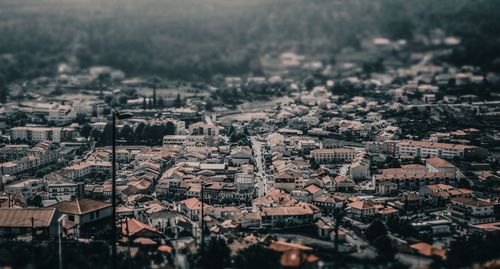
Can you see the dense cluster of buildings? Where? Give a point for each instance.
(341, 152)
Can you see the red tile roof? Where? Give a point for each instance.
(80, 206)
(21, 217)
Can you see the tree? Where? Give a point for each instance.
(95, 134)
(257, 256)
(170, 128)
(150, 103)
(81, 118)
(209, 104)
(85, 130)
(106, 111)
(393, 162)
(161, 102)
(139, 130)
(144, 103)
(122, 100)
(465, 251)
(417, 160)
(146, 133)
(216, 255)
(313, 164)
(107, 135)
(384, 248)
(126, 133)
(401, 227)
(35, 200)
(154, 82)
(245, 131)
(108, 99)
(155, 102)
(178, 101)
(375, 230)
(309, 83)
(218, 80)
(3, 89)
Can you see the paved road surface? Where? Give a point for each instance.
(260, 176)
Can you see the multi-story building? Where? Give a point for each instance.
(41, 154)
(61, 114)
(413, 181)
(362, 210)
(343, 184)
(62, 191)
(440, 194)
(244, 181)
(192, 208)
(87, 168)
(27, 187)
(289, 215)
(471, 211)
(426, 149)
(289, 180)
(40, 134)
(202, 128)
(334, 155)
(87, 215)
(360, 168)
(439, 165)
(13, 152)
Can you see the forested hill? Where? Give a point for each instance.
(188, 39)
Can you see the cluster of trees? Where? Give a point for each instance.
(248, 92)
(241, 137)
(476, 248)
(401, 227)
(255, 256)
(377, 235)
(142, 133)
(44, 254)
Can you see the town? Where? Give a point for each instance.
(388, 155)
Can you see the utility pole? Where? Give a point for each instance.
(32, 230)
(338, 216)
(114, 116)
(113, 192)
(128, 235)
(202, 221)
(59, 221)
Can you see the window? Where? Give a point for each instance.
(71, 218)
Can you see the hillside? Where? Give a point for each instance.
(195, 39)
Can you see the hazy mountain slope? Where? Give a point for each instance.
(198, 38)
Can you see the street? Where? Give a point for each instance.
(260, 175)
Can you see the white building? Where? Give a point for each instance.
(333, 155)
(244, 180)
(62, 191)
(360, 168)
(202, 128)
(471, 211)
(27, 187)
(426, 149)
(40, 134)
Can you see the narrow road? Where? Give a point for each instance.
(260, 175)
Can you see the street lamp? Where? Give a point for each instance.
(202, 250)
(60, 222)
(121, 116)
